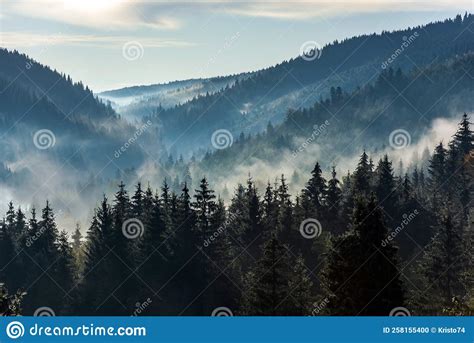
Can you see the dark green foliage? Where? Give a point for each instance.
(362, 274)
(190, 257)
(267, 291)
(10, 305)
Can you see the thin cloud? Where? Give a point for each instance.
(301, 9)
(171, 15)
(29, 39)
(97, 14)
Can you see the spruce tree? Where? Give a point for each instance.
(314, 195)
(385, 186)
(300, 286)
(361, 184)
(445, 266)
(334, 199)
(360, 261)
(7, 257)
(267, 292)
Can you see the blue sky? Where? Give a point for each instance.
(115, 43)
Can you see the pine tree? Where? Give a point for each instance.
(94, 288)
(7, 257)
(122, 280)
(300, 286)
(137, 202)
(385, 186)
(314, 195)
(78, 251)
(267, 292)
(334, 202)
(362, 183)
(270, 211)
(464, 137)
(285, 214)
(444, 266)
(358, 261)
(64, 270)
(437, 176)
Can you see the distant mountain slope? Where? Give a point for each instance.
(268, 94)
(73, 99)
(335, 129)
(36, 97)
(57, 139)
(139, 101)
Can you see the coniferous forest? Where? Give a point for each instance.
(364, 243)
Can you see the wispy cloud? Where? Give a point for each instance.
(98, 14)
(171, 15)
(303, 9)
(29, 39)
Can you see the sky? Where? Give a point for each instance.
(109, 44)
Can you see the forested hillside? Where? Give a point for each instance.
(336, 128)
(140, 101)
(399, 241)
(298, 83)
